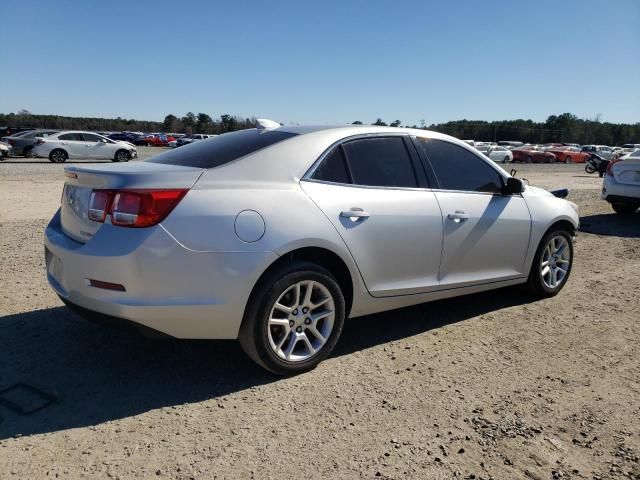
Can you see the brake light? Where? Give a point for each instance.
(40, 141)
(610, 166)
(133, 208)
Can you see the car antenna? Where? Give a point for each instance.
(266, 124)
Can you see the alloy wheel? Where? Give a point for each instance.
(555, 262)
(301, 321)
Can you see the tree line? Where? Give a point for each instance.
(189, 123)
(566, 127)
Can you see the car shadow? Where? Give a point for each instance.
(97, 374)
(47, 161)
(612, 224)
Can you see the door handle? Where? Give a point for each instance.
(355, 212)
(459, 216)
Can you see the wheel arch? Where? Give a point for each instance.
(320, 256)
(59, 148)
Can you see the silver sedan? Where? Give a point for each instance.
(275, 235)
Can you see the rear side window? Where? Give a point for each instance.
(458, 169)
(333, 168)
(216, 151)
(380, 162)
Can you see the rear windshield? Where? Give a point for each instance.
(222, 149)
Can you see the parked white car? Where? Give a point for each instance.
(65, 145)
(5, 150)
(621, 187)
(496, 153)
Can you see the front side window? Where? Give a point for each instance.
(89, 137)
(380, 162)
(75, 137)
(458, 169)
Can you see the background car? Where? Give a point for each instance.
(496, 153)
(621, 185)
(600, 150)
(569, 154)
(23, 143)
(5, 150)
(532, 154)
(266, 235)
(158, 140)
(187, 139)
(61, 146)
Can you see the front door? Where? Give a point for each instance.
(486, 233)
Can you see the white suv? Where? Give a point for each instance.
(62, 146)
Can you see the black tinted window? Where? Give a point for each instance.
(458, 169)
(380, 162)
(89, 137)
(77, 137)
(222, 149)
(333, 168)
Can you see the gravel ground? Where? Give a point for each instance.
(492, 385)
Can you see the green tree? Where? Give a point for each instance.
(170, 123)
(189, 122)
(203, 124)
(357, 122)
(380, 123)
(395, 123)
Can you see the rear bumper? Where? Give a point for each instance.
(168, 288)
(613, 191)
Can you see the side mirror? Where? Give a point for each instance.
(513, 186)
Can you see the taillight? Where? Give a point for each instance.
(133, 208)
(12, 142)
(610, 166)
(40, 141)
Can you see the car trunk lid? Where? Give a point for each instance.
(82, 180)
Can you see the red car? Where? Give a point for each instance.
(569, 154)
(159, 140)
(532, 154)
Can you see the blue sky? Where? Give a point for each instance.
(324, 61)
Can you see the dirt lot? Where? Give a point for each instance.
(492, 385)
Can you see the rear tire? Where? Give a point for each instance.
(567, 159)
(625, 208)
(271, 335)
(506, 160)
(27, 152)
(589, 168)
(529, 159)
(550, 271)
(122, 156)
(58, 156)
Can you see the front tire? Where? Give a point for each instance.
(552, 264)
(122, 156)
(293, 319)
(58, 156)
(28, 152)
(529, 159)
(567, 159)
(625, 208)
(589, 168)
(506, 160)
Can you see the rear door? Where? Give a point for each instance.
(374, 192)
(486, 233)
(74, 144)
